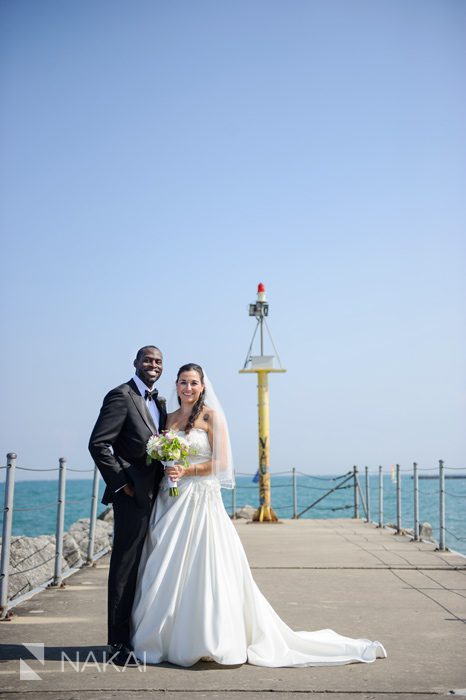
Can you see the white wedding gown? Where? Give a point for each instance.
(196, 597)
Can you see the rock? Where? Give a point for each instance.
(425, 532)
(103, 535)
(32, 559)
(245, 512)
(72, 552)
(32, 563)
(106, 515)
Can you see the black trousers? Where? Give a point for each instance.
(130, 527)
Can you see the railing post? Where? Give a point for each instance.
(295, 494)
(380, 496)
(57, 576)
(233, 502)
(398, 500)
(368, 497)
(7, 526)
(92, 524)
(441, 475)
(356, 495)
(416, 501)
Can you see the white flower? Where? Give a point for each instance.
(153, 443)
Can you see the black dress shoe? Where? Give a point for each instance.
(122, 655)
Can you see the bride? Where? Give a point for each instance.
(195, 595)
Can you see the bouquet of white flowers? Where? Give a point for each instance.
(169, 448)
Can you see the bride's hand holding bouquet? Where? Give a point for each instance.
(169, 448)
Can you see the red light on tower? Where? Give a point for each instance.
(261, 292)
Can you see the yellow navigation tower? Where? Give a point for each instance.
(262, 365)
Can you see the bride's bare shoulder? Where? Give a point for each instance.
(172, 418)
(206, 417)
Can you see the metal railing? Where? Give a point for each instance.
(60, 505)
(316, 488)
(337, 484)
(361, 497)
(439, 477)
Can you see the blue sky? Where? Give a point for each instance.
(159, 159)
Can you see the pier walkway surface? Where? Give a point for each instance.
(342, 574)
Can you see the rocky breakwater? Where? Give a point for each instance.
(32, 559)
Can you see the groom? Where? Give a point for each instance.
(130, 414)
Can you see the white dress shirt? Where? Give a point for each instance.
(151, 405)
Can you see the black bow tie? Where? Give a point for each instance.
(151, 394)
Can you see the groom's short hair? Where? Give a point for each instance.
(146, 347)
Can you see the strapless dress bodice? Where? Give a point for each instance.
(198, 441)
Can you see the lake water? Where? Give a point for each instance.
(35, 502)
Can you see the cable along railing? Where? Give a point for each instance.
(323, 496)
(60, 504)
(386, 489)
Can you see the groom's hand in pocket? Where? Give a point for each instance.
(128, 490)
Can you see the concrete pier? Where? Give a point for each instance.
(347, 575)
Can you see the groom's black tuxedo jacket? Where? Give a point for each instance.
(118, 443)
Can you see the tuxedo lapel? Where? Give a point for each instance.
(140, 404)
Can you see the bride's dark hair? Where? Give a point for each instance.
(198, 406)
